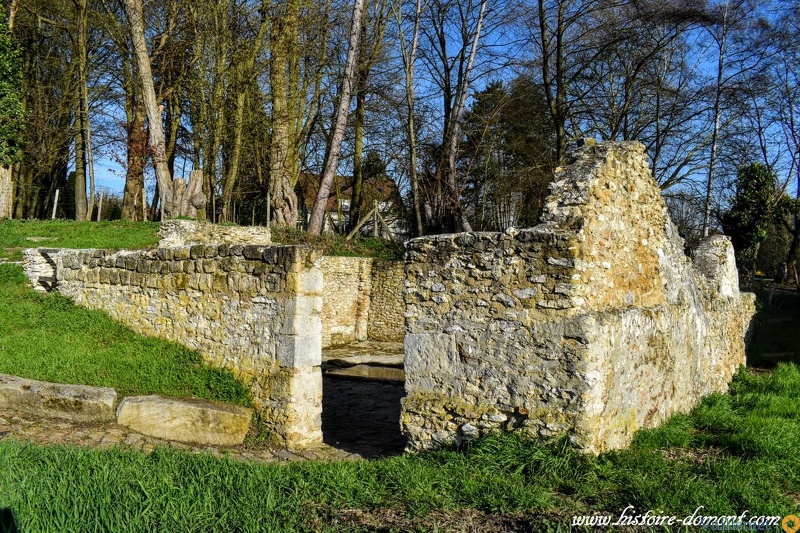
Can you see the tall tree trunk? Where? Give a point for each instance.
(85, 133)
(6, 193)
(358, 151)
(317, 221)
(135, 12)
(370, 52)
(80, 170)
(173, 122)
(409, 60)
(242, 75)
(717, 111)
(232, 172)
(283, 155)
(132, 208)
(555, 88)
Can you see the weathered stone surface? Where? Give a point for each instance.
(78, 403)
(592, 324)
(39, 265)
(190, 421)
(257, 316)
(369, 372)
(176, 233)
(387, 309)
(714, 259)
(364, 300)
(348, 281)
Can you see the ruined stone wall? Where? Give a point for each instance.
(593, 324)
(363, 300)
(387, 310)
(178, 232)
(252, 309)
(348, 285)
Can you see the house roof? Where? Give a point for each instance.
(380, 189)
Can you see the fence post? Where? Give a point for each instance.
(100, 205)
(55, 205)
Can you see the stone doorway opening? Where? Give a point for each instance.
(362, 385)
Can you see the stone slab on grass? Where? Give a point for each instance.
(190, 421)
(79, 403)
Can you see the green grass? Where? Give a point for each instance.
(16, 234)
(123, 235)
(734, 452)
(46, 337)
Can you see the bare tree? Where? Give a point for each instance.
(452, 33)
(135, 12)
(317, 221)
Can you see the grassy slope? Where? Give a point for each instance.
(46, 337)
(119, 234)
(735, 452)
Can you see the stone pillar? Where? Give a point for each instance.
(299, 353)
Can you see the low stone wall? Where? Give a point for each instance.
(593, 324)
(363, 300)
(178, 232)
(190, 421)
(252, 309)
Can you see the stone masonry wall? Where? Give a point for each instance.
(348, 285)
(177, 232)
(387, 310)
(592, 324)
(252, 309)
(363, 300)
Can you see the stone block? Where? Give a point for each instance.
(78, 403)
(189, 421)
(299, 351)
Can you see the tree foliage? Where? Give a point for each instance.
(507, 155)
(12, 116)
(755, 207)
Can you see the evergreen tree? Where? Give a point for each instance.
(753, 210)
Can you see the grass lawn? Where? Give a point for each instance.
(735, 452)
(46, 337)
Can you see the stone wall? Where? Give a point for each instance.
(363, 300)
(177, 232)
(345, 310)
(592, 324)
(387, 310)
(252, 309)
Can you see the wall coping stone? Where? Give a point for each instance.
(79, 403)
(189, 421)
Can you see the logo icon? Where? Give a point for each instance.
(791, 524)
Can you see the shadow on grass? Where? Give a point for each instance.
(8, 524)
